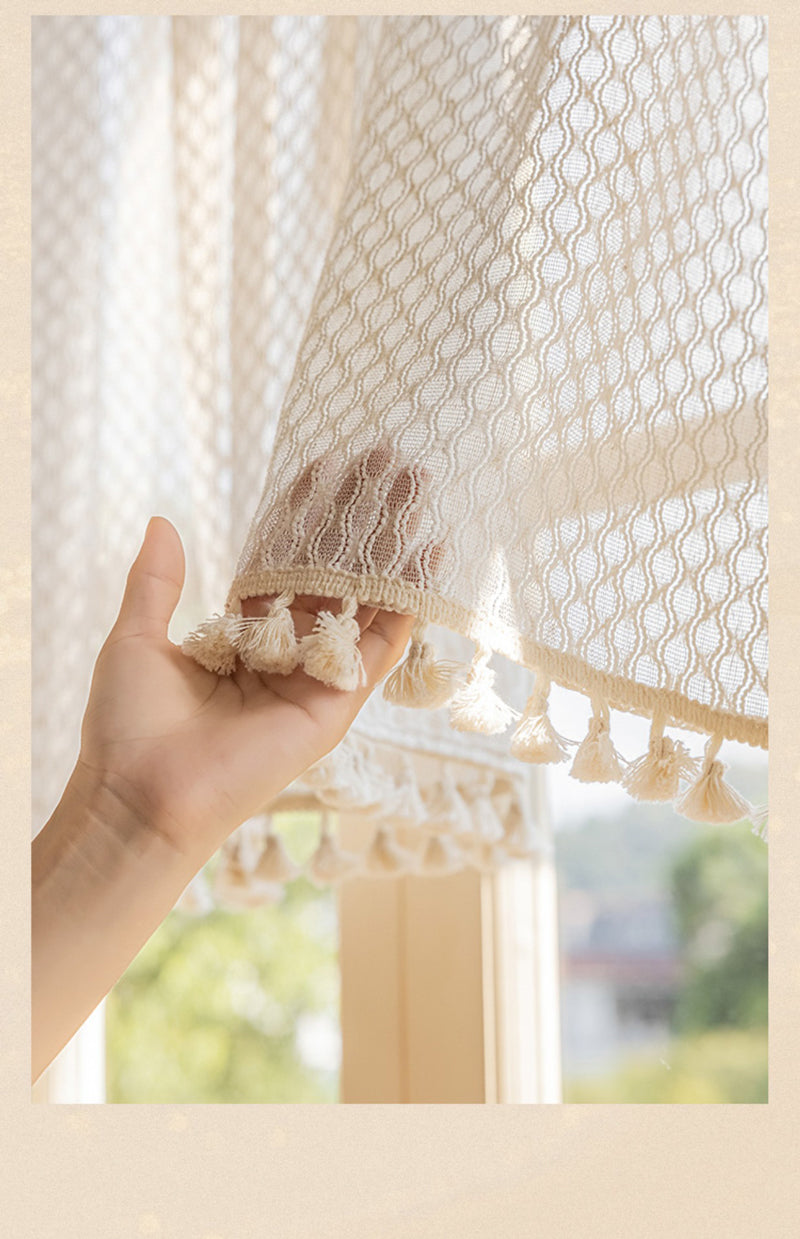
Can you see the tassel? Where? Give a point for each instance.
(421, 682)
(476, 706)
(407, 808)
(596, 760)
(521, 838)
(213, 643)
(486, 857)
(710, 798)
(759, 819)
(237, 888)
(385, 858)
(331, 654)
(348, 780)
(486, 826)
(441, 857)
(330, 864)
(447, 811)
(656, 775)
(274, 864)
(268, 643)
(535, 739)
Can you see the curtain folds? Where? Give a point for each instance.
(485, 298)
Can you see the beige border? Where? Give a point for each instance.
(403, 1172)
(564, 669)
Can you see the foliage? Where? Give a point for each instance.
(719, 1066)
(211, 1010)
(719, 886)
(716, 878)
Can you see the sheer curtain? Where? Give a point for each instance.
(187, 174)
(529, 404)
(528, 254)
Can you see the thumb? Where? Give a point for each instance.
(155, 582)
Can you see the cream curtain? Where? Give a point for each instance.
(186, 178)
(486, 299)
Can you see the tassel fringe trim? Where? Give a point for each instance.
(596, 759)
(213, 643)
(448, 825)
(385, 858)
(331, 654)
(330, 864)
(476, 706)
(269, 644)
(656, 776)
(420, 681)
(710, 798)
(536, 740)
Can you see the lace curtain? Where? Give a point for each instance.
(486, 299)
(186, 176)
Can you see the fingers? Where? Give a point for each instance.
(155, 582)
(368, 517)
(384, 634)
(360, 516)
(305, 609)
(383, 643)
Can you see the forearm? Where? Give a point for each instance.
(103, 879)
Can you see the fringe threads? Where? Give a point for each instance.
(420, 681)
(536, 739)
(331, 655)
(710, 798)
(476, 706)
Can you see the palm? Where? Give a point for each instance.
(205, 752)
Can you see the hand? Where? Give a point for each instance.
(172, 759)
(193, 754)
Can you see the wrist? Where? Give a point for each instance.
(100, 831)
(103, 879)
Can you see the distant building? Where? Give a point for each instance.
(621, 973)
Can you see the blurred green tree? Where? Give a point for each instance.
(719, 889)
(234, 1006)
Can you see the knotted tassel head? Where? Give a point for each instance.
(476, 706)
(385, 858)
(535, 739)
(269, 643)
(656, 776)
(421, 682)
(596, 759)
(213, 644)
(274, 863)
(331, 654)
(710, 798)
(331, 864)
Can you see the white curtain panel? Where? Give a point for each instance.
(465, 316)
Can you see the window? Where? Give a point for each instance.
(444, 989)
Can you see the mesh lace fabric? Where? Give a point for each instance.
(186, 178)
(545, 240)
(546, 289)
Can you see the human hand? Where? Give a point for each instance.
(192, 753)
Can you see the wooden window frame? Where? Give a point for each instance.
(450, 986)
